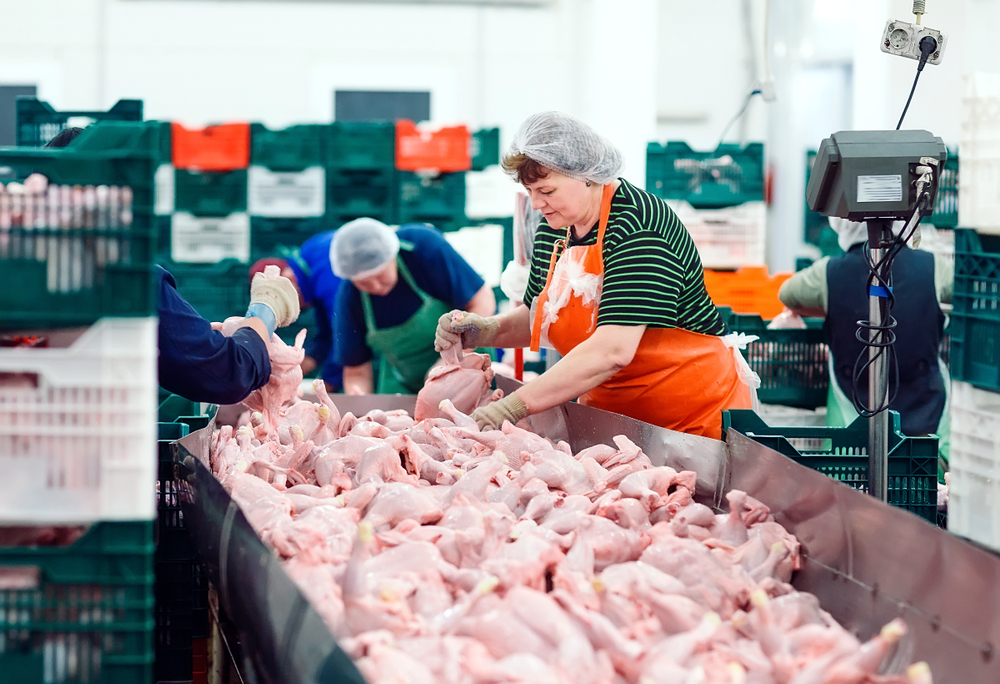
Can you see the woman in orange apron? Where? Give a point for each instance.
(622, 338)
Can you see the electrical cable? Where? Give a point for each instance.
(880, 275)
(746, 103)
(927, 47)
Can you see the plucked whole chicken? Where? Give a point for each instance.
(436, 552)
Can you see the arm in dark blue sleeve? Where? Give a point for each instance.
(202, 364)
(349, 329)
(320, 343)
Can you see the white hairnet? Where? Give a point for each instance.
(361, 247)
(559, 142)
(850, 233)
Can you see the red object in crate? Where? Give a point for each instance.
(213, 148)
(446, 149)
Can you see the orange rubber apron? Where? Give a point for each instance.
(679, 380)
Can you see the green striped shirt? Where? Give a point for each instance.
(652, 270)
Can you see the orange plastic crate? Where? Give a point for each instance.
(749, 290)
(446, 149)
(213, 148)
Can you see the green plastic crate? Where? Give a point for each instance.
(90, 617)
(272, 237)
(946, 202)
(792, 364)
(210, 193)
(728, 176)
(109, 153)
(38, 122)
(841, 453)
(216, 291)
(485, 148)
(975, 317)
(176, 410)
(289, 149)
(439, 201)
(353, 194)
(361, 146)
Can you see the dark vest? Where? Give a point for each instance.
(920, 397)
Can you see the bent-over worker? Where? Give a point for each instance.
(836, 288)
(397, 283)
(616, 287)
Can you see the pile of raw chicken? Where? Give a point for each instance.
(436, 552)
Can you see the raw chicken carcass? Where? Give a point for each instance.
(498, 556)
(463, 378)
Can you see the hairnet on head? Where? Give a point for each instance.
(850, 233)
(562, 143)
(361, 247)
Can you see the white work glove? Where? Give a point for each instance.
(470, 329)
(277, 293)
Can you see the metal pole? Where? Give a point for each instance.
(878, 372)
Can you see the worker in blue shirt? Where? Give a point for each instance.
(200, 363)
(397, 284)
(377, 290)
(308, 267)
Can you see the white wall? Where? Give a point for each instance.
(638, 70)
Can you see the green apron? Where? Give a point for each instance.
(407, 349)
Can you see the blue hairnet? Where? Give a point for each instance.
(361, 247)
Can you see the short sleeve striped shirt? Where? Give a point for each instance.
(652, 270)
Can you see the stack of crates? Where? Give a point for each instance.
(842, 453)
(361, 172)
(974, 461)
(78, 417)
(182, 620)
(718, 195)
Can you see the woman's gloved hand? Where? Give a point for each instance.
(470, 329)
(492, 416)
(277, 293)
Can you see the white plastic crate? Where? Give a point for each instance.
(274, 194)
(78, 427)
(726, 238)
(198, 240)
(974, 462)
(164, 186)
(979, 154)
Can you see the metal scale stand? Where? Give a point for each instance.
(879, 239)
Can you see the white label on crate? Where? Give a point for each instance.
(280, 194)
(163, 187)
(884, 188)
(197, 240)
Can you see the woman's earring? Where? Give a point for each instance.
(588, 183)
